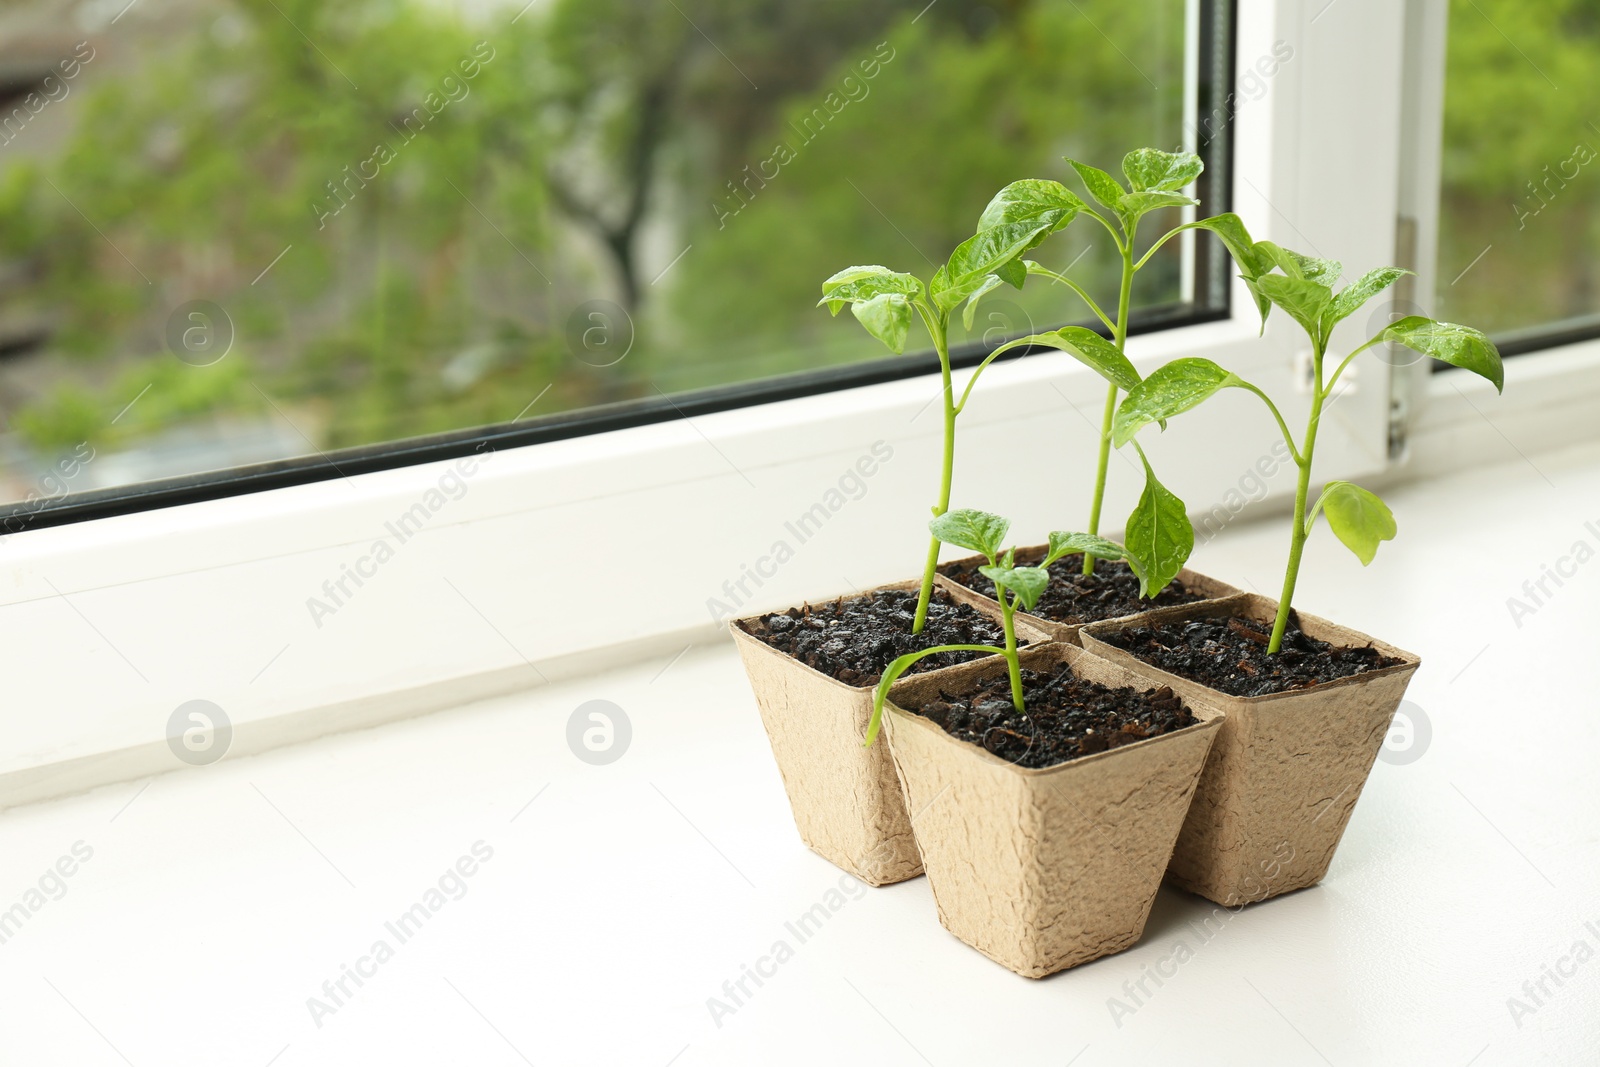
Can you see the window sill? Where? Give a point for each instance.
(695, 805)
(1549, 403)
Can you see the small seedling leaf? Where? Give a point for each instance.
(1231, 229)
(855, 284)
(886, 317)
(1028, 199)
(973, 530)
(948, 295)
(1029, 583)
(1349, 299)
(1459, 346)
(1304, 300)
(1151, 168)
(1357, 517)
(969, 313)
(987, 251)
(1102, 186)
(1252, 261)
(1135, 205)
(893, 672)
(1170, 390)
(1014, 273)
(1295, 265)
(1063, 543)
(1159, 536)
(1090, 349)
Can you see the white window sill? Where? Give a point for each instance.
(619, 900)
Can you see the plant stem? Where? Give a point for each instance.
(947, 474)
(1007, 616)
(1100, 470)
(1044, 272)
(1297, 535)
(1120, 339)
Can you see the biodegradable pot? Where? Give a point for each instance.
(1067, 632)
(845, 797)
(1044, 869)
(1286, 770)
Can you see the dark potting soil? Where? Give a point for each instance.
(854, 639)
(1067, 717)
(1230, 655)
(1111, 592)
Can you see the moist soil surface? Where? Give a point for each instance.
(1067, 717)
(1111, 592)
(1230, 655)
(854, 639)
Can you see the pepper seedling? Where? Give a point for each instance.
(883, 300)
(1159, 535)
(982, 532)
(1302, 286)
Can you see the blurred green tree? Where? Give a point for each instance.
(399, 208)
(1521, 163)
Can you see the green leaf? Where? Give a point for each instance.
(1159, 537)
(1459, 346)
(1134, 205)
(1013, 273)
(1304, 300)
(1252, 262)
(1063, 543)
(990, 249)
(1349, 299)
(1102, 186)
(985, 252)
(948, 298)
(1169, 390)
(948, 295)
(1090, 349)
(990, 282)
(1322, 271)
(1263, 305)
(1029, 583)
(893, 672)
(1151, 168)
(886, 317)
(1236, 238)
(973, 530)
(866, 283)
(1028, 199)
(1357, 517)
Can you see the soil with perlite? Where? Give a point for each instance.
(1066, 717)
(854, 639)
(1230, 655)
(1073, 597)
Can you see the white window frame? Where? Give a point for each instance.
(1451, 421)
(564, 557)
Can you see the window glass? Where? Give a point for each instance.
(1520, 205)
(248, 232)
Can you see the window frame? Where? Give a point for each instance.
(605, 548)
(1425, 85)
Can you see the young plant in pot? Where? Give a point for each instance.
(813, 667)
(1049, 785)
(1151, 573)
(1308, 702)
